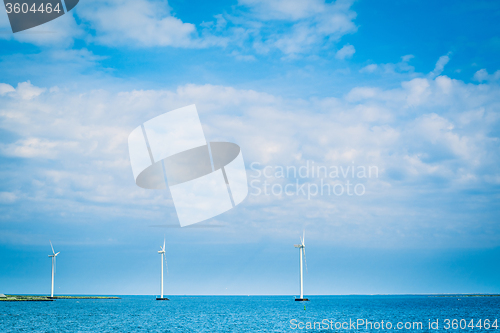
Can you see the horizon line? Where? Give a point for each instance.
(260, 295)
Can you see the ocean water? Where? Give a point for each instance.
(254, 314)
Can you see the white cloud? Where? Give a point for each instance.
(360, 93)
(136, 23)
(26, 90)
(417, 91)
(293, 27)
(391, 68)
(284, 9)
(140, 23)
(438, 69)
(407, 57)
(59, 33)
(440, 128)
(399, 67)
(347, 51)
(482, 75)
(6, 88)
(439, 131)
(36, 148)
(8, 197)
(369, 68)
(81, 56)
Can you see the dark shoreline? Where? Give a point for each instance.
(468, 295)
(39, 298)
(32, 298)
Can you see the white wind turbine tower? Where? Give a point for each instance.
(53, 256)
(302, 248)
(163, 258)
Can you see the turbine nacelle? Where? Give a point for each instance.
(162, 248)
(162, 252)
(53, 253)
(302, 244)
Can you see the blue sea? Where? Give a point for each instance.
(255, 314)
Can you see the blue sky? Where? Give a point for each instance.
(410, 87)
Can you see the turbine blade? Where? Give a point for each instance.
(165, 257)
(51, 247)
(163, 244)
(304, 237)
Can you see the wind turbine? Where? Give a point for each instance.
(302, 248)
(163, 258)
(53, 256)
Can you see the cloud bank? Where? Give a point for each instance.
(292, 28)
(432, 139)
